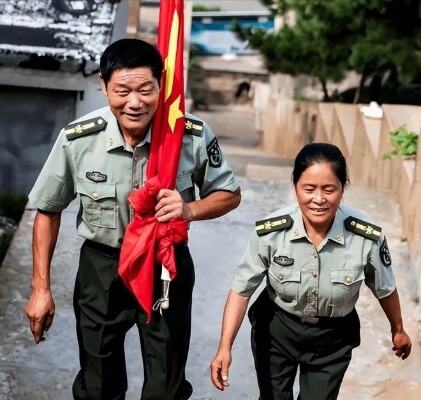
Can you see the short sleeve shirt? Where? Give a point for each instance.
(103, 169)
(315, 282)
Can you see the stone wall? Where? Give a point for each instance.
(30, 120)
(287, 125)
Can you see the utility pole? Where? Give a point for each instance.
(133, 18)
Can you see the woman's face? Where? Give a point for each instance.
(319, 193)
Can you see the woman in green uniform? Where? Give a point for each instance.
(314, 254)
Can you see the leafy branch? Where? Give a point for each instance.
(404, 142)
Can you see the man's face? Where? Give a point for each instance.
(133, 95)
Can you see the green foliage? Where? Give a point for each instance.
(377, 38)
(200, 8)
(12, 206)
(404, 142)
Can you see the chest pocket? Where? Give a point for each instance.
(285, 281)
(185, 187)
(99, 203)
(346, 285)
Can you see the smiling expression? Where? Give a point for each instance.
(319, 193)
(133, 95)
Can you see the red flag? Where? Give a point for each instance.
(147, 242)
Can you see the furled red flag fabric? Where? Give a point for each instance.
(148, 243)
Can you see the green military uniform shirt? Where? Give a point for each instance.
(315, 282)
(91, 158)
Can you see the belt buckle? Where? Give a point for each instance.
(310, 320)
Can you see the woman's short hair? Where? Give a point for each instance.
(314, 153)
(130, 53)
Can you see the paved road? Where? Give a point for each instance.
(47, 370)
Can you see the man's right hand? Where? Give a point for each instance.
(40, 312)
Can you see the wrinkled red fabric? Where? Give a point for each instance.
(148, 243)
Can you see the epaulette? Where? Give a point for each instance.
(193, 127)
(363, 228)
(273, 224)
(82, 128)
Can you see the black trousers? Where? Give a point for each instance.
(105, 310)
(281, 342)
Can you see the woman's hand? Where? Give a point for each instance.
(219, 368)
(401, 344)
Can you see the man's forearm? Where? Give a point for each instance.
(216, 204)
(392, 309)
(45, 232)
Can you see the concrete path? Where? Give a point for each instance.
(46, 371)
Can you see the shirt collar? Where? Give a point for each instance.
(298, 230)
(335, 233)
(114, 138)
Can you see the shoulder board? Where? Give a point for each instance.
(363, 228)
(193, 127)
(82, 128)
(273, 224)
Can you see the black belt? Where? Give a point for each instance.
(103, 248)
(113, 251)
(319, 321)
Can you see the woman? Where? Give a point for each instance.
(315, 255)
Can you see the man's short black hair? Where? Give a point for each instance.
(130, 53)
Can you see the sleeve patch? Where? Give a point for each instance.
(363, 228)
(273, 224)
(214, 154)
(385, 254)
(79, 129)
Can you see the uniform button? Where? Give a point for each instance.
(348, 279)
(281, 277)
(136, 186)
(95, 195)
(314, 273)
(136, 158)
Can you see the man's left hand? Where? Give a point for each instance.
(401, 344)
(171, 206)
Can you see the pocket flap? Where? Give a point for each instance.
(96, 191)
(347, 276)
(284, 275)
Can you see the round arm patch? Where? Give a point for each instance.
(385, 254)
(214, 154)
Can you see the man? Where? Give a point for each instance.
(102, 157)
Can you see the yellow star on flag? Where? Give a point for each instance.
(174, 113)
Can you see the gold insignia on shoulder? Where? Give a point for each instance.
(193, 127)
(273, 224)
(83, 128)
(362, 228)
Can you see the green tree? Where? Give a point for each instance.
(376, 38)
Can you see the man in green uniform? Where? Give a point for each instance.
(102, 157)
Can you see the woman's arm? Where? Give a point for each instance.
(400, 339)
(235, 309)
